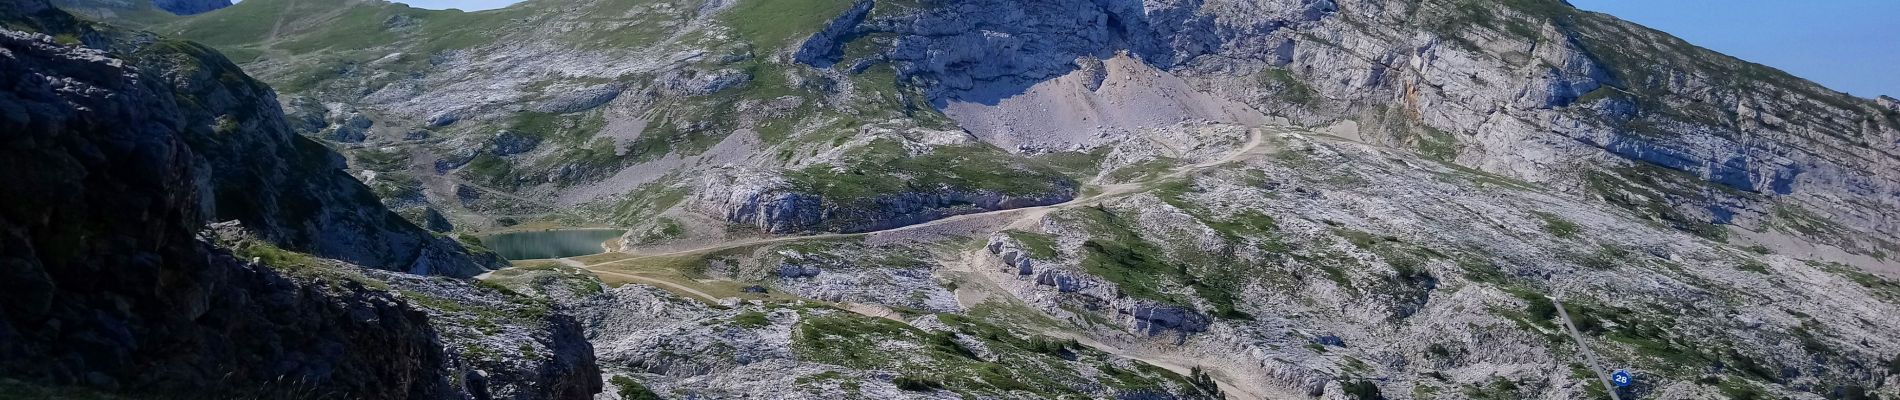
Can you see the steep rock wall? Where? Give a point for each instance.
(1535, 90)
(106, 285)
(117, 153)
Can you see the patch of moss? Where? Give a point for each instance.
(751, 320)
(1752, 265)
(630, 389)
(1288, 87)
(1558, 226)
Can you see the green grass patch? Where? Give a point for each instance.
(772, 24)
(1034, 366)
(1752, 265)
(1040, 246)
(1288, 87)
(1244, 223)
(648, 201)
(751, 320)
(1075, 163)
(1558, 226)
(884, 168)
(630, 389)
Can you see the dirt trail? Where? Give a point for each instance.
(873, 310)
(1178, 364)
(659, 282)
(985, 287)
(277, 27)
(1254, 146)
(966, 262)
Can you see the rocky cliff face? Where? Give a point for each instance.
(107, 286)
(285, 187)
(123, 146)
(139, 11)
(1532, 89)
(289, 188)
(189, 7)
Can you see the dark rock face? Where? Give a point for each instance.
(244, 158)
(118, 158)
(510, 143)
(791, 271)
(517, 349)
(110, 7)
(105, 283)
(189, 7)
(580, 100)
(288, 188)
(1156, 318)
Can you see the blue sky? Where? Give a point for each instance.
(1847, 45)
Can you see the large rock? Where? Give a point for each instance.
(582, 99)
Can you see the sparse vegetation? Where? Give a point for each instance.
(769, 24)
(751, 320)
(1559, 226)
(1040, 246)
(630, 389)
(885, 168)
(1362, 390)
(1289, 88)
(937, 361)
(916, 384)
(1754, 266)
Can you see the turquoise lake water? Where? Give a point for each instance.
(550, 243)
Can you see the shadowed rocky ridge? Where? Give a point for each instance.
(122, 147)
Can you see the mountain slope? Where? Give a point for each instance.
(594, 103)
(138, 13)
(1361, 199)
(1532, 89)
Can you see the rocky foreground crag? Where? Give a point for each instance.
(121, 147)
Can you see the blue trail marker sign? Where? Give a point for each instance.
(1621, 378)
